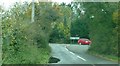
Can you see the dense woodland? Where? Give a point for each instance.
(28, 42)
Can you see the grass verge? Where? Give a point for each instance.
(107, 57)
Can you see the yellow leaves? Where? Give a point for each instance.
(61, 14)
(56, 7)
(61, 25)
(116, 16)
(64, 29)
(28, 13)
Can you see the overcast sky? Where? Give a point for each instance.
(8, 3)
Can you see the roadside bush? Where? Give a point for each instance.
(24, 42)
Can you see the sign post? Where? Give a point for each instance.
(74, 38)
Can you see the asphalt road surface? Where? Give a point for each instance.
(76, 54)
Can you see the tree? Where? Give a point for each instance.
(101, 27)
(79, 26)
(61, 31)
(20, 35)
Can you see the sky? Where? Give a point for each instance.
(8, 3)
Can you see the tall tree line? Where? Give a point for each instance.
(102, 23)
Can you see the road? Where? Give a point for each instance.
(75, 54)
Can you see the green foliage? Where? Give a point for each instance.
(118, 29)
(25, 42)
(102, 27)
(60, 34)
(79, 28)
(27, 54)
(61, 27)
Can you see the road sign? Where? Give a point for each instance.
(74, 37)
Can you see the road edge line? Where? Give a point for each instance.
(75, 54)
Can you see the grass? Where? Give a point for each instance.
(28, 54)
(107, 57)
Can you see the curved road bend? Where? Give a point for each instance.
(75, 54)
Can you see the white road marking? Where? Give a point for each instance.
(72, 53)
(75, 54)
(66, 49)
(81, 58)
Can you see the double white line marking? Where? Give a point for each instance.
(75, 54)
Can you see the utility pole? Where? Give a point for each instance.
(33, 11)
